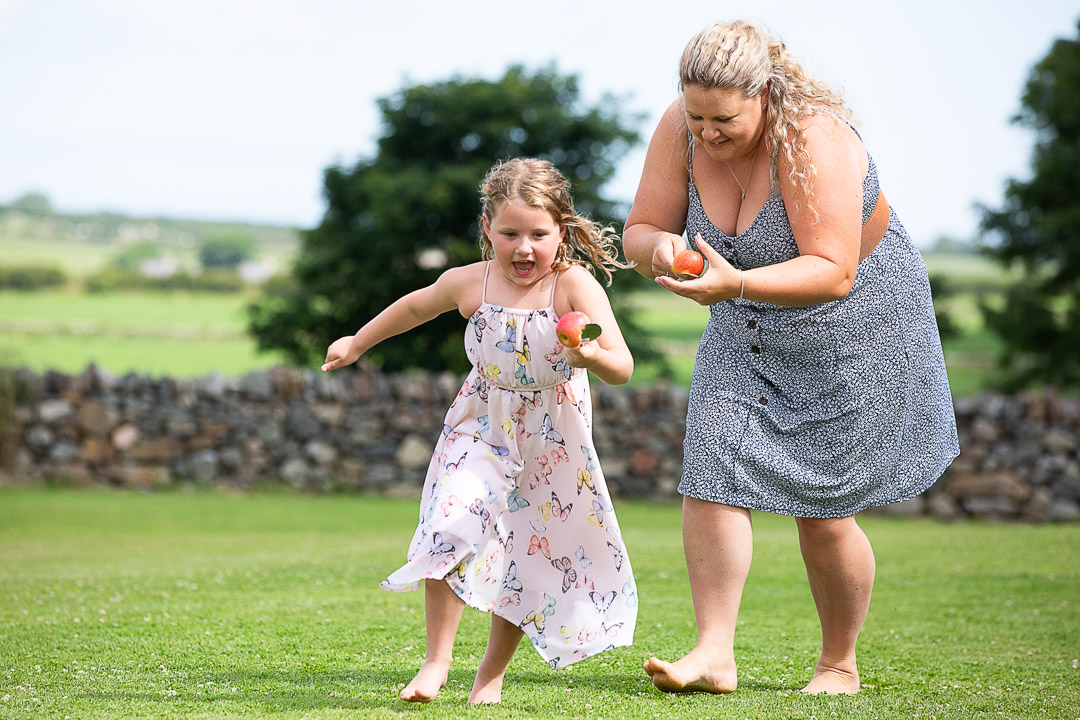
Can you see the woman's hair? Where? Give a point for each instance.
(539, 184)
(743, 57)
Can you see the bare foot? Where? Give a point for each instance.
(697, 671)
(833, 681)
(486, 691)
(427, 683)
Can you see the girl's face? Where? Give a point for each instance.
(726, 124)
(525, 240)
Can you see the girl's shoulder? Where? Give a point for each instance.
(465, 284)
(572, 284)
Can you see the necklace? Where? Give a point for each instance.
(743, 189)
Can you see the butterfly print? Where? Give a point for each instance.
(565, 391)
(537, 479)
(453, 467)
(485, 426)
(584, 479)
(630, 592)
(509, 342)
(601, 601)
(491, 372)
(539, 544)
(508, 428)
(558, 455)
(514, 502)
(540, 640)
(617, 554)
(599, 506)
(477, 508)
(550, 434)
(508, 546)
(450, 503)
(538, 618)
(585, 562)
(568, 631)
(510, 581)
(559, 510)
(610, 631)
(559, 364)
(439, 547)
(569, 573)
(511, 599)
(479, 323)
(590, 458)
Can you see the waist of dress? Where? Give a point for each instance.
(530, 387)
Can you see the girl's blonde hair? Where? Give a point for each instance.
(539, 184)
(741, 56)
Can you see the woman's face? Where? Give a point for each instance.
(728, 125)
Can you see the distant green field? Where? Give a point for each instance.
(187, 335)
(160, 334)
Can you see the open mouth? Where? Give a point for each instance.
(523, 268)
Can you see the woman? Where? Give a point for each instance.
(819, 388)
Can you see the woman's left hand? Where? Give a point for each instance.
(719, 282)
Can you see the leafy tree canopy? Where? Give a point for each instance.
(394, 222)
(1039, 229)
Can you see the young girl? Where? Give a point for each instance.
(515, 518)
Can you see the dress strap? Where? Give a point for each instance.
(483, 291)
(551, 300)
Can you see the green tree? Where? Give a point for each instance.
(394, 222)
(1038, 230)
(226, 251)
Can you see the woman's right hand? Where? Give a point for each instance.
(340, 353)
(666, 246)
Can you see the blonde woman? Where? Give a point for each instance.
(819, 388)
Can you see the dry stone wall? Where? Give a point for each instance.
(361, 430)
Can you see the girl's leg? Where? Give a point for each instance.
(718, 544)
(502, 642)
(442, 614)
(840, 567)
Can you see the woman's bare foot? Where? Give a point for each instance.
(697, 671)
(833, 680)
(427, 683)
(486, 691)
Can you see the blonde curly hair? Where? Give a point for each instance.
(539, 184)
(744, 57)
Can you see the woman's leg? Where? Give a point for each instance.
(442, 614)
(718, 544)
(840, 567)
(502, 642)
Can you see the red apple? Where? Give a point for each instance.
(688, 264)
(575, 327)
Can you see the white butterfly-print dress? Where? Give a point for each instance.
(515, 514)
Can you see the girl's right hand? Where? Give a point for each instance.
(667, 246)
(340, 353)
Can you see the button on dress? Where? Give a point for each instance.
(515, 514)
(819, 411)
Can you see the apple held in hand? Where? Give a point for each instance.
(688, 265)
(575, 328)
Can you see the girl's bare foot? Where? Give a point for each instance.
(427, 683)
(698, 671)
(486, 691)
(833, 680)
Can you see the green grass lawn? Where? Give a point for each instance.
(206, 605)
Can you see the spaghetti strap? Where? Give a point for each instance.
(483, 291)
(551, 301)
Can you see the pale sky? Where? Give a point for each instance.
(231, 109)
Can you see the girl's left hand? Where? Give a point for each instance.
(582, 356)
(719, 282)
